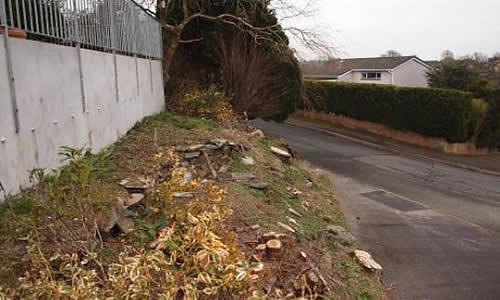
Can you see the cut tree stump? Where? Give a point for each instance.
(274, 248)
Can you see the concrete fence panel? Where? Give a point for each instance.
(49, 96)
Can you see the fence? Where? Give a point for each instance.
(120, 25)
(87, 72)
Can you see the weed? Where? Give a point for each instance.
(364, 296)
(238, 166)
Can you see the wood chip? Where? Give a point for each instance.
(292, 220)
(261, 247)
(247, 160)
(294, 212)
(272, 235)
(183, 195)
(367, 260)
(286, 227)
(280, 152)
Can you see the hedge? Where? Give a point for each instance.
(489, 132)
(432, 112)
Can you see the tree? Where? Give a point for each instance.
(176, 16)
(480, 57)
(391, 53)
(455, 74)
(447, 54)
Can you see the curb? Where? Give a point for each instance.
(419, 156)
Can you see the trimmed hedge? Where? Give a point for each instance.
(489, 132)
(431, 112)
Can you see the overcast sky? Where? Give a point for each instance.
(364, 28)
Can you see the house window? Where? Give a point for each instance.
(371, 76)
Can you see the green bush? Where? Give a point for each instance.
(489, 132)
(432, 112)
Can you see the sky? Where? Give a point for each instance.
(366, 28)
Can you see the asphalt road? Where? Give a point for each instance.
(434, 228)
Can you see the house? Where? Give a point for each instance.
(401, 71)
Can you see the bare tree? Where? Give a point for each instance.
(252, 79)
(391, 53)
(447, 54)
(480, 57)
(176, 15)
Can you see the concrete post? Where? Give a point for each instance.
(10, 70)
(79, 54)
(113, 45)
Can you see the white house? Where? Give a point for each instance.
(401, 71)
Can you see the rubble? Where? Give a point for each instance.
(336, 229)
(116, 218)
(219, 142)
(236, 176)
(258, 185)
(191, 155)
(191, 148)
(134, 185)
(341, 235)
(125, 224)
(132, 200)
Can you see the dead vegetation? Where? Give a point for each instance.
(223, 216)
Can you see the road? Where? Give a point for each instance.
(434, 228)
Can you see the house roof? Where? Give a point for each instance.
(432, 63)
(337, 67)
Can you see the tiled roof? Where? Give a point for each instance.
(337, 67)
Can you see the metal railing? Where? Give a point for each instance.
(107, 25)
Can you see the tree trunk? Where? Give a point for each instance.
(168, 55)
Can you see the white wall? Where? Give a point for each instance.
(411, 74)
(47, 84)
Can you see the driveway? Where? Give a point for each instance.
(434, 228)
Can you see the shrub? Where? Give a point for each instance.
(257, 83)
(489, 132)
(209, 104)
(433, 112)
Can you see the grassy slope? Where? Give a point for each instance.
(133, 155)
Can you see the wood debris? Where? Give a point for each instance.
(367, 261)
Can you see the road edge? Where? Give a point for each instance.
(378, 146)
